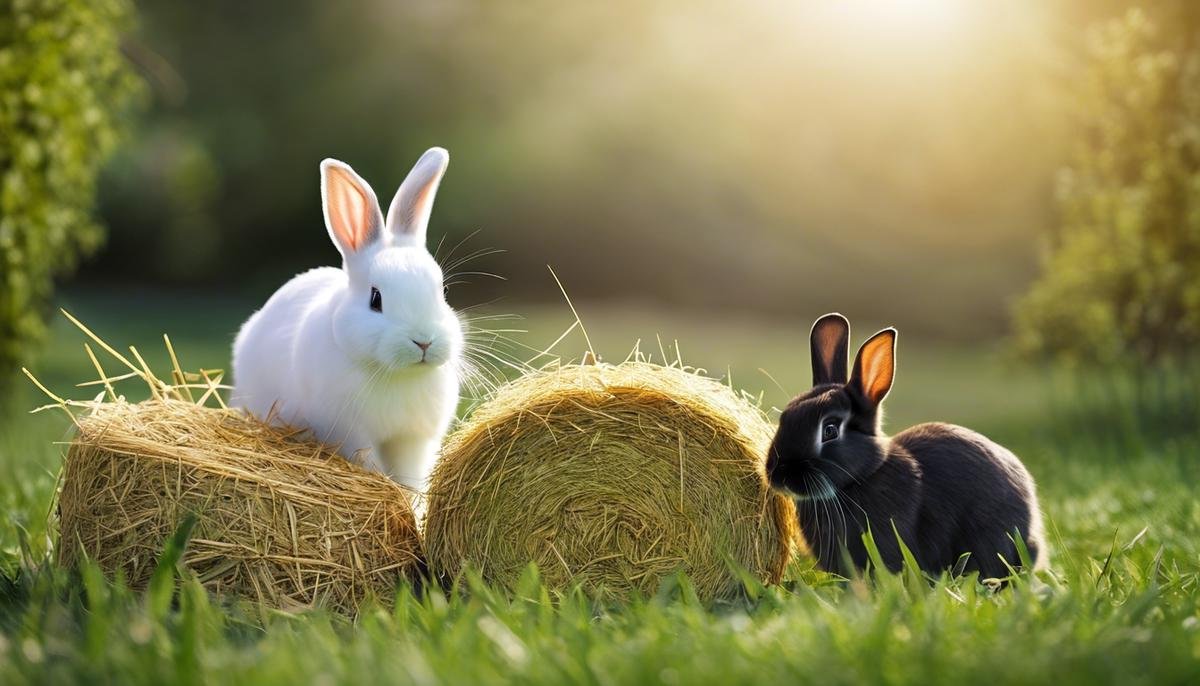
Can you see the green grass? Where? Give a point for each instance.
(1117, 468)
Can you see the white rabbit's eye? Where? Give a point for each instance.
(445, 290)
(376, 299)
(831, 431)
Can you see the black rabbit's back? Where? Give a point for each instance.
(975, 495)
(945, 491)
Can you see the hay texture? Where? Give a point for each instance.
(614, 477)
(279, 520)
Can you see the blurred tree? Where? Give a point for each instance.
(712, 156)
(63, 86)
(1122, 280)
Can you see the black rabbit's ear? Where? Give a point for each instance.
(830, 343)
(875, 367)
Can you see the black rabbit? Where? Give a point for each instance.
(949, 491)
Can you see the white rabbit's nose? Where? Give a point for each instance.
(424, 346)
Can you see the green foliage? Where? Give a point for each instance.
(1122, 283)
(1118, 609)
(63, 88)
(1129, 621)
(1116, 476)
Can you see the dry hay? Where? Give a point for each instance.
(281, 521)
(614, 477)
(278, 519)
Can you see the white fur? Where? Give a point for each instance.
(317, 356)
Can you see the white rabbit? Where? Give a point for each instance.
(366, 356)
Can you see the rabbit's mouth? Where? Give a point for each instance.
(813, 493)
(826, 492)
(800, 482)
(400, 368)
(431, 359)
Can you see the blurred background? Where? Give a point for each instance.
(1010, 177)
(1014, 184)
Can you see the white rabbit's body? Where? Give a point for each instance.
(395, 419)
(380, 384)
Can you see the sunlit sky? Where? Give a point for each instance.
(927, 19)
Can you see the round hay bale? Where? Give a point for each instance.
(614, 477)
(279, 520)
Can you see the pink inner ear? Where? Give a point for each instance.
(409, 214)
(878, 371)
(349, 211)
(829, 338)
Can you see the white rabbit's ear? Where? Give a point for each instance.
(351, 209)
(408, 216)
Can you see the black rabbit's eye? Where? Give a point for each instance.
(830, 431)
(376, 299)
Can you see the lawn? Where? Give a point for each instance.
(1117, 468)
